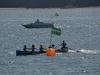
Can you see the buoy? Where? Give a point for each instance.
(50, 52)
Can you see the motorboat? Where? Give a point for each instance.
(38, 25)
(62, 50)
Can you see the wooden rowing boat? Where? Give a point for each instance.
(20, 52)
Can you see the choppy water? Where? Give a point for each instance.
(80, 29)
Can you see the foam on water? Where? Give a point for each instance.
(90, 51)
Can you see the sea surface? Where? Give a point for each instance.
(80, 30)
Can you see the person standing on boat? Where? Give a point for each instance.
(64, 45)
(41, 48)
(25, 48)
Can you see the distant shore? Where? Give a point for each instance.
(55, 7)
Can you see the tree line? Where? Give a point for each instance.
(47, 3)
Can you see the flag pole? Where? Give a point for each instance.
(51, 18)
(51, 28)
(51, 37)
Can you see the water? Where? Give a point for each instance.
(80, 29)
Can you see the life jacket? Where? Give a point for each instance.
(64, 45)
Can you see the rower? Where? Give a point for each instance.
(25, 48)
(41, 48)
(53, 46)
(33, 48)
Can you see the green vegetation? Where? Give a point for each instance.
(47, 3)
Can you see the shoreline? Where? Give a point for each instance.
(55, 7)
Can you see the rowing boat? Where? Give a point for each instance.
(20, 52)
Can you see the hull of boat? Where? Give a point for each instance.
(38, 25)
(19, 52)
(62, 50)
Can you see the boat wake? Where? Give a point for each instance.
(90, 51)
(85, 51)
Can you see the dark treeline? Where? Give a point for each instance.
(47, 3)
